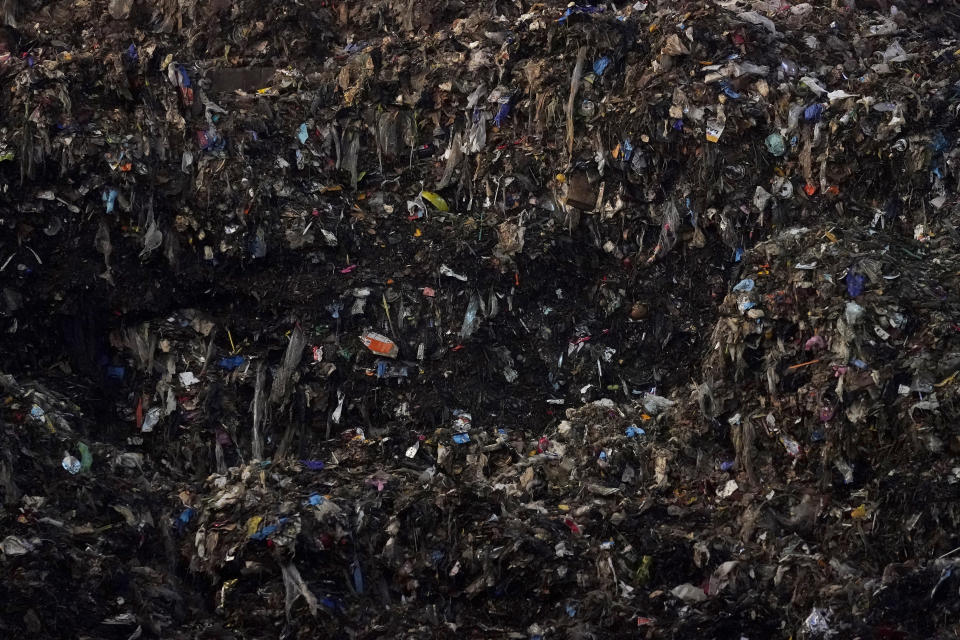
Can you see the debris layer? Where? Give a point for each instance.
(479, 319)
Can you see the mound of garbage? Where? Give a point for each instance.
(526, 320)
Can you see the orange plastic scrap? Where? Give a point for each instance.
(379, 344)
(803, 364)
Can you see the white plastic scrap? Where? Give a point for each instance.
(14, 546)
(151, 419)
(818, 622)
(895, 53)
(853, 313)
(814, 85)
(335, 416)
(755, 18)
(728, 489)
(654, 404)
(761, 197)
(840, 94)
(723, 576)
(689, 593)
(930, 404)
(296, 587)
(447, 271)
